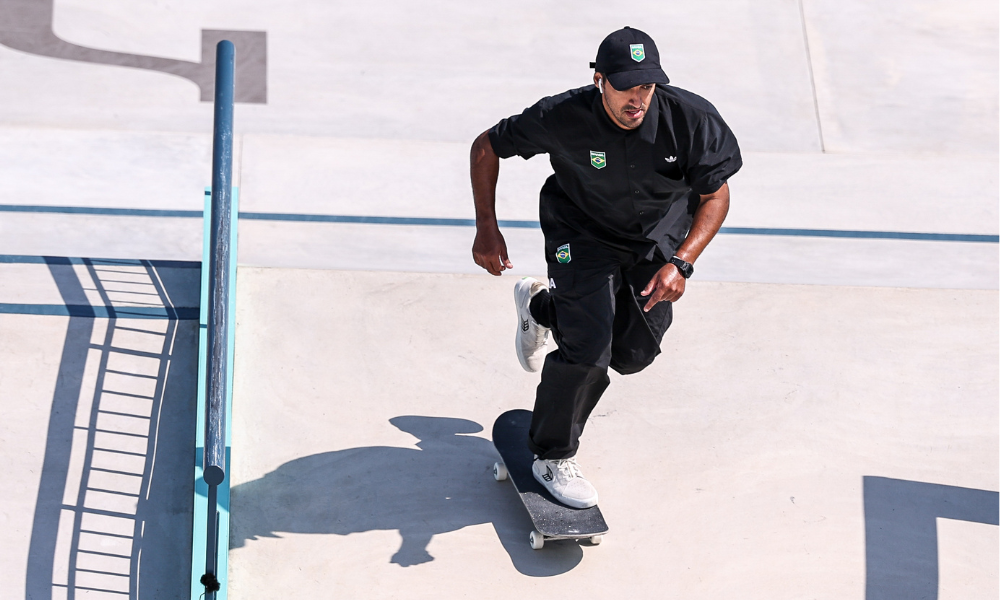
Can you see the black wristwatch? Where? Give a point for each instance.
(686, 268)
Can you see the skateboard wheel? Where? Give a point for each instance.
(499, 471)
(596, 539)
(537, 540)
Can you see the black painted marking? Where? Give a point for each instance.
(27, 26)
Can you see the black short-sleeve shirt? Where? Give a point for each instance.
(632, 189)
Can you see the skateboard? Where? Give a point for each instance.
(552, 519)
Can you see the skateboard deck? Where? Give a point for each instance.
(552, 519)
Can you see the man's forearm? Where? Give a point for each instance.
(708, 218)
(485, 169)
(668, 284)
(489, 249)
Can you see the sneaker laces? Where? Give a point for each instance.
(568, 467)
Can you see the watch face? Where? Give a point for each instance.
(686, 268)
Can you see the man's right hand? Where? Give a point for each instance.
(490, 250)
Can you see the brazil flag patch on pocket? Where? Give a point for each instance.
(562, 254)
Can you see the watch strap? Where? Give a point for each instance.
(686, 269)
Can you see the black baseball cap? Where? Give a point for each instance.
(628, 57)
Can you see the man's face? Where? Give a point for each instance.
(626, 107)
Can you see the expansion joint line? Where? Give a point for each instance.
(812, 76)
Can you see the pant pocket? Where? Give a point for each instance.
(562, 280)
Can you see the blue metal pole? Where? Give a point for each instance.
(222, 183)
(214, 465)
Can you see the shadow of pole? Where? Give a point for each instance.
(443, 485)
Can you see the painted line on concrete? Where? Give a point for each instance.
(869, 235)
(180, 313)
(425, 221)
(443, 222)
(110, 212)
(24, 259)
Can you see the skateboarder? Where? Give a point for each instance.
(639, 189)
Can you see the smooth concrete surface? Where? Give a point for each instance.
(734, 466)
(889, 76)
(779, 462)
(165, 238)
(856, 116)
(107, 169)
(498, 58)
(27, 387)
(905, 76)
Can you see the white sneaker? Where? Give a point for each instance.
(563, 479)
(531, 337)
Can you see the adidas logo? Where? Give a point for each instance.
(524, 325)
(548, 474)
(670, 158)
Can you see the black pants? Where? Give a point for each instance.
(595, 312)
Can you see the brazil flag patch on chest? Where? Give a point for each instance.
(597, 159)
(562, 254)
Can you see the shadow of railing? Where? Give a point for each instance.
(112, 514)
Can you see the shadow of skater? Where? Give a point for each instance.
(443, 486)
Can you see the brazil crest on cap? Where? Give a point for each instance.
(597, 159)
(638, 52)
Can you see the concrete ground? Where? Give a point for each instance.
(822, 422)
(741, 464)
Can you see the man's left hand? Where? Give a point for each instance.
(667, 284)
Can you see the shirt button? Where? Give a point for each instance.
(631, 166)
(642, 212)
(636, 192)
